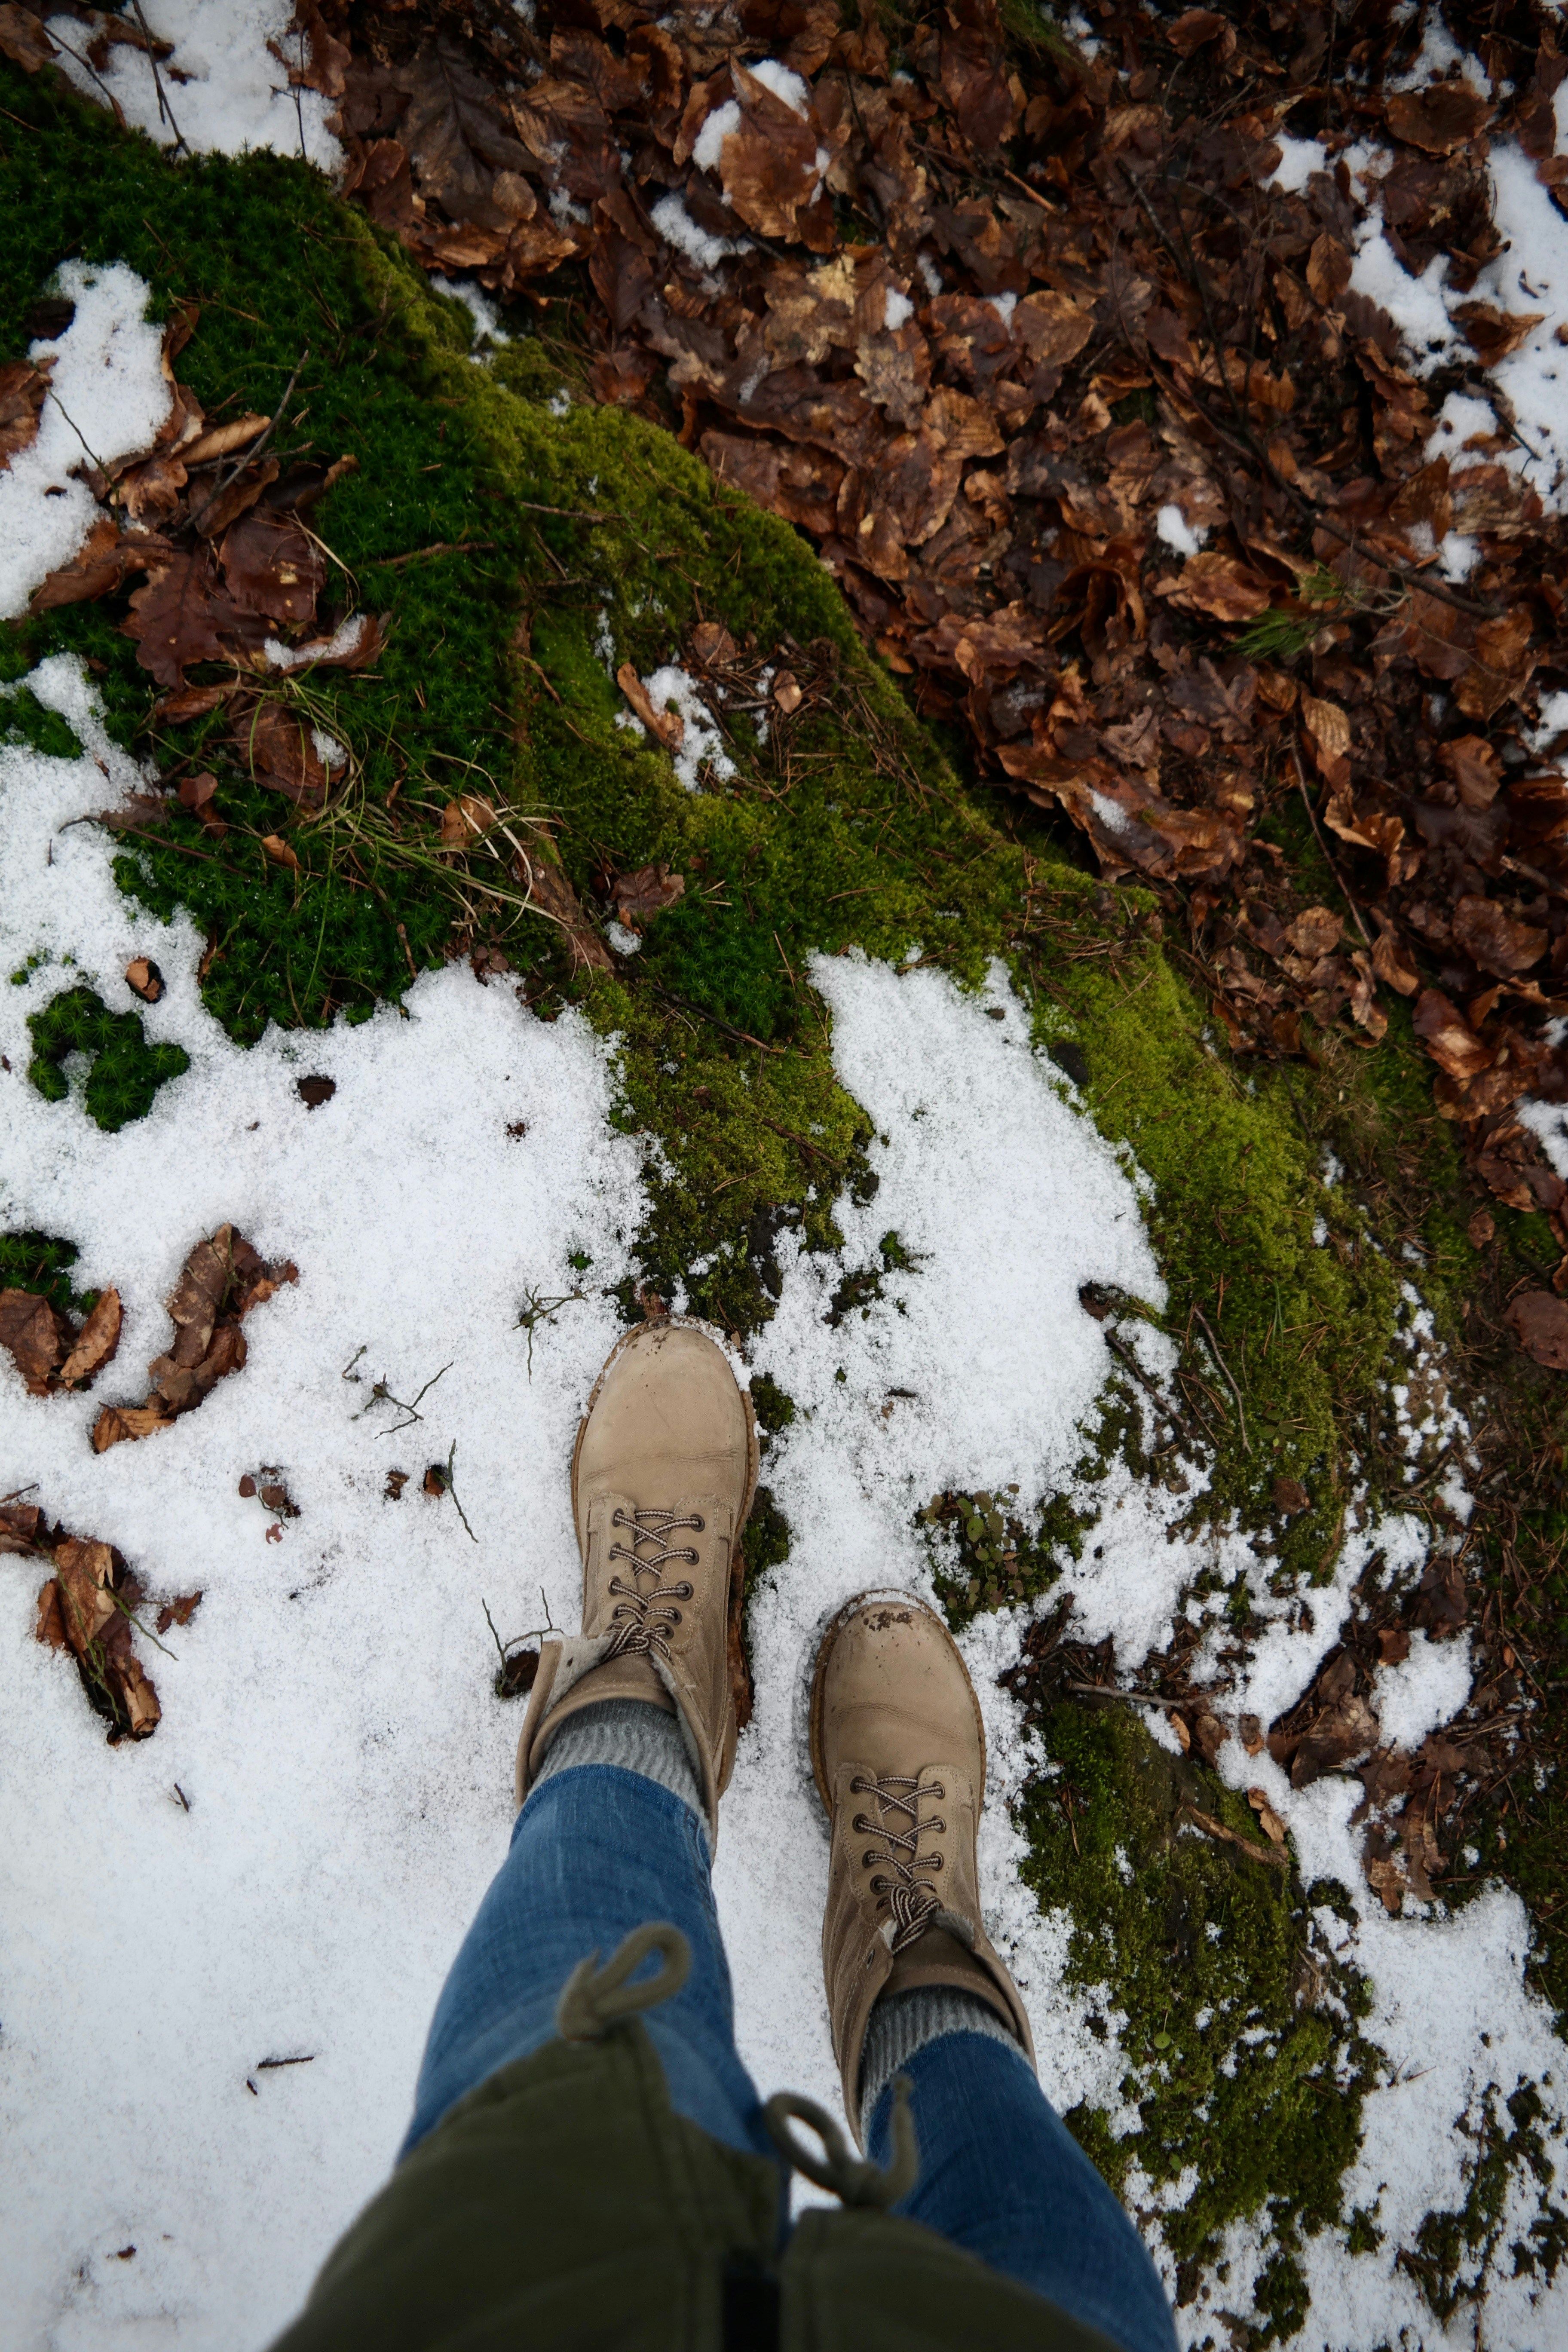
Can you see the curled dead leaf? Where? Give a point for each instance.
(667, 726)
(278, 851)
(95, 1342)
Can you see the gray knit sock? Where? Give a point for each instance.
(633, 1734)
(903, 2023)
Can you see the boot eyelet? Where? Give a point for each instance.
(862, 1827)
(856, 1786)
(938, 1791)
(675, 1616)
(683, 1592)
(935, 1862)
(697, 1524)
(878, 1886)
(937, 1829)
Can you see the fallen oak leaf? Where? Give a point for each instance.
(1539, 1321)
(105, 561)
(278, 851)
(95, 1342)
(38, 1336)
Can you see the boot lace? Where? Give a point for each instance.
(910, 1905)
(642, 1622)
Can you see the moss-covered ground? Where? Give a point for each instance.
(499, 530)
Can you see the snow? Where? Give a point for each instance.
(222, 85)
(1299, 159)
(1414, 304)
(784, 84)
(328, 1714)
(898, 310)
(701, 755)
(1176, 531)
(487, 327)
(344, 643)
(675, 224)
(721, 124)
(107, 399)
(1427, 1690)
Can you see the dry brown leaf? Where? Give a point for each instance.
(638, 897)
(1539, 1321)
(22, 39)
(1440, 119)
(38, 1336)
(143, 979)
(667, 726)
(95, 1342)
(22, 385)
(278, 851)
(1218, 585)
(178, 1612)
(464, 819)
(119, 1423)
(1269, 1820)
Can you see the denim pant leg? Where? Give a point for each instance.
(1003, 2176)
(595, 1852)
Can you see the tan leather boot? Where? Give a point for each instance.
(663, 1474)
(898, 1751)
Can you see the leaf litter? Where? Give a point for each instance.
(1081, 398)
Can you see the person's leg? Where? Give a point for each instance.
(916, 1987)
(605, 1843)
(627, 1744)
(1000, 2173)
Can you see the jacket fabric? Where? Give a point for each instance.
(563, 2206)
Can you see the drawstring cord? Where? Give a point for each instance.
(594, 1999)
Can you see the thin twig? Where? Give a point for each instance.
(1224, 1368)
(1322, 844)
(165, 112)
(253, 450)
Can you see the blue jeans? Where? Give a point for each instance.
(596, 1851)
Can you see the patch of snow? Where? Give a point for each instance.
(1299, 158)
(1176, 531)
(107, 398)
(487, 327)
(721, 124)
(675, 224)
(223, 87)
(559, 402)
(925, 262)
(1425, 1691)
(625, 943)
(783, 83)
(898, 310)
(1004, 305)
(342, 646)
(1414, 304)
(328, 1712)
(701, 757)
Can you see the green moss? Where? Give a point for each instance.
(42, 1263)
(24, 720)
(125, 1071)
(1243, 2060)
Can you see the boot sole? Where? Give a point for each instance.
(835, 1627)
